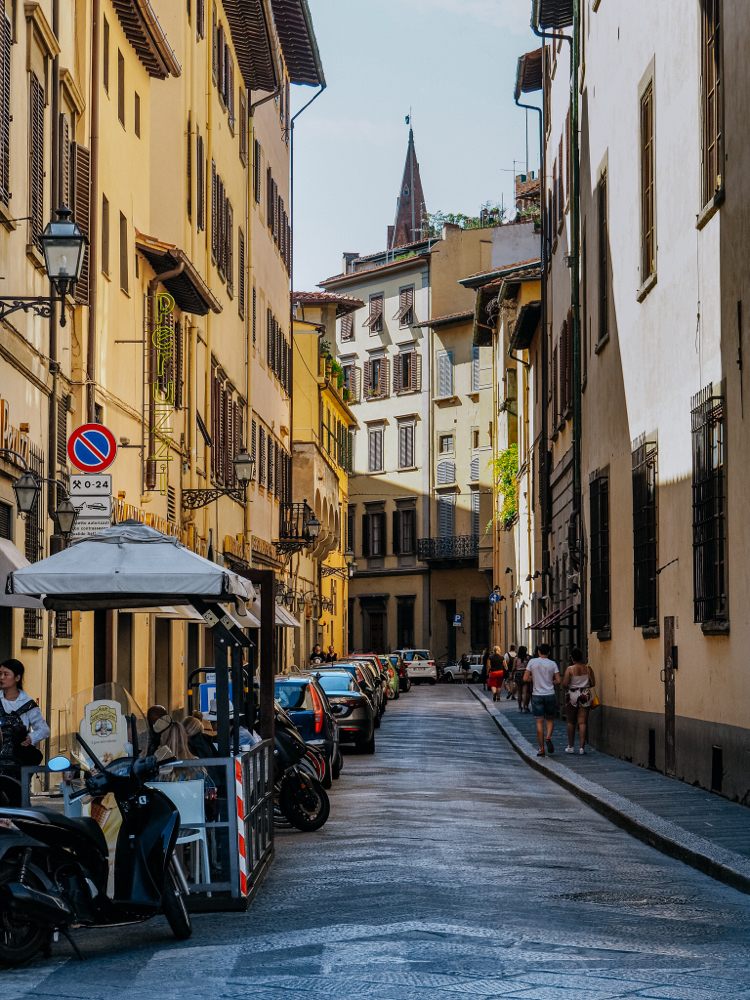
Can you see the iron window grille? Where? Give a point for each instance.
(603, 258)
(708, 424)
(599, 519)
(645, 536)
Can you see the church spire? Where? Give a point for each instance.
(411, 213)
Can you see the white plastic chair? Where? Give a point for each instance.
(188, 796)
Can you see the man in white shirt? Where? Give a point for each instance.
(543, 673)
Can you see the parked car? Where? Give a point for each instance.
(370, 680)
(304, 700)
(454, 671)
(401, 669)
(421, 665)
(393, 689)
(351, 706)
(379, 665)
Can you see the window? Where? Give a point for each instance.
(480, 623)
(6, 512)
(446, 473)
(271, 465)
(376, 378)
(645, 554)
(121, 88)
(405, 622)
(105, 234)
(241, 273)
(648, 248)
(406, 372)
(123, 253)
(709, 507)
(603, 258)
(351, 383)
(262, 456)
(474, 369)
(404, 529)
(255, 314)
(200, 183)
(712, 99)
(137, 116)
(105, 55)
(374, 531)
(474, 470)
(347, 327)
(6, 40)
(445, 444)
(375, 319)
(256, 170)
(474, 438)
(406, 445)
(375, 449)
(350, 515)
(475, 513)
(446, 510)
(243, 127)
(36, 160)
(599, 520)
(405, 314)
(445, 374)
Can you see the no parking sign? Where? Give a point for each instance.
(92, 448)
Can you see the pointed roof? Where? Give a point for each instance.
(410, 207)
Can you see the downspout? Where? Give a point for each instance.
(93, 211)
(152, 286)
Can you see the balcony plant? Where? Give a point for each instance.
(504, 473)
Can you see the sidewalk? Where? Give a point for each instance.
(702, 830)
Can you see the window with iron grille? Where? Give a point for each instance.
(645, 549)
(711, 98)
(599, 521)
(648, 248)
(34, 543)
(603, 258)
(708, 423)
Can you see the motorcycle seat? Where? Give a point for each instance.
(78, 824)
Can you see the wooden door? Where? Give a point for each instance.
(670, 657)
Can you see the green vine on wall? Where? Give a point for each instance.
(504, 473)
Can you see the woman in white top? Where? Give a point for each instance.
(578, 681)
(21, 722)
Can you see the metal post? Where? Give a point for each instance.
(222, 693)
(238, 690)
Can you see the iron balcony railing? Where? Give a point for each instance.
(293, 518)
(453, 547)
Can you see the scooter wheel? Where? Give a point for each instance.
(307, 808)
(174, 904)
(19, 940)
(336, 764)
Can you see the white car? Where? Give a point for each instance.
(454, 671)
(420, 665)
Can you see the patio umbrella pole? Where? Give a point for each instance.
(238, 691)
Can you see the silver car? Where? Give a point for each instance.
(420, 663)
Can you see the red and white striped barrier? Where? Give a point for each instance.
(239, 791)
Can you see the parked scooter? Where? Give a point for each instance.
(54, 868)
(299, 795)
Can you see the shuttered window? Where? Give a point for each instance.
(408, 541)
(375, 450)
(405, 314)
(81, 189)
(375, 318)
(121, 88)
(6, 40)
(406, 445)
(241, 273)
(446, 472)
(270, 339)
(256, 170)
(475, 513)
(474, 469)
(105, 234)
(36, 160)
(123, 253)
(446, 510)
(200, 183)
(445, 374)
(243, 127)
(137, 115)
(711, 80)
(599, 520)
(474, 369)
(5, 520)
(254, 446)
(648, 249)
(347, 326)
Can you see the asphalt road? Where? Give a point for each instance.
(448, 868)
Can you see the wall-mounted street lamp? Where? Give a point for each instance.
(27, 489)
(64, 248)
(244, 470)
(299, 528)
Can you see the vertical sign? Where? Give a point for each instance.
(162, 388)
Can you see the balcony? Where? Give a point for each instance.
(450, 549)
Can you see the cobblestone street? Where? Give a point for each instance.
(448, 867)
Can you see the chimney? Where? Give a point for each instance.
(347, 262)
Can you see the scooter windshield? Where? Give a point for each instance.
(110, 722)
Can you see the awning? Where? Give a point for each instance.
(189, 290)
(11, 559)
(449, 320)
(247, 620)
(526, 325)
(297, 38)
(529, 73)
(283, 618)
(553, 618)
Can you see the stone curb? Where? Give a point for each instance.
(669, 838)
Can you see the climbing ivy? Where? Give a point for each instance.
(504, 472)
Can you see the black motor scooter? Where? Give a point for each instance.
(299, 795)
(54, 868)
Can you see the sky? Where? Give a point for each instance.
(453, 63)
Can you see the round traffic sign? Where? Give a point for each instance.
(92, 448)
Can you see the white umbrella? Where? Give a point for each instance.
(127, 566)
(10, 560)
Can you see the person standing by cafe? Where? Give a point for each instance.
(22, 725)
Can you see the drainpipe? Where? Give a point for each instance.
(153, 284)
(96, 46)
(55, 190)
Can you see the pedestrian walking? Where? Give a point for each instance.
(495, 672)
(331, 655)
(523, 688)
(318, 656)
(509, 658)
(578, 680)
(465, 665)
(485, 664)
(543, 674)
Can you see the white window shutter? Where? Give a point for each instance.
(475, 368)
(474, 469)
(475, 513)
(445, 375)
(446, 473)
(445, 516)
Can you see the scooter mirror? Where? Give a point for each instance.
(59, 764)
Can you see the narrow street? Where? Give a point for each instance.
(448, 867)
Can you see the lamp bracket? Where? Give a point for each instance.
(342, 573)
(193, 499)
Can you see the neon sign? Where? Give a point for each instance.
(162, 388)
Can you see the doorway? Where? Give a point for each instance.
(6, 633)
(377, 632)
(163, 661)
(450, 641)
(670, 662)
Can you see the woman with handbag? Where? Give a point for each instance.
(578, 680)
(22, 724)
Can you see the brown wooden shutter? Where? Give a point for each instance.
(277, 472)
(555, 393)
(214, 46)
(214, 215)
(80, 160)
(62, 430)
(230, 90)
(277, 353)
(383, 377)
(560, 184)
(200, 183)
(269, 339)
(256, 170)
(365, 534)
(567, 153)
(255, 314)
(214, 421)
(275, 211)
(415, 369)
(6, 40)
(241, 273)
(179, 374)
(189, 170)
(347, 326)
(397, 362)
(269, 199)
(220, 65)
(64, 168)
(289, 248)
(243, 127)
(229, 252)
(200, 18)
(36, 161)
(368, 371)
